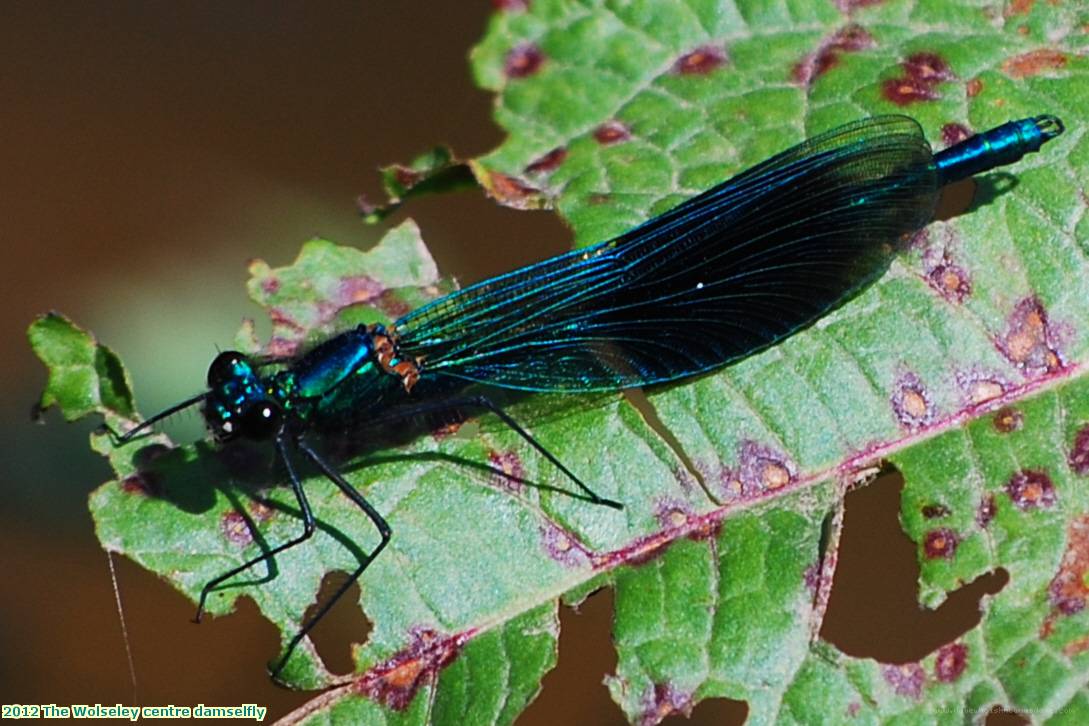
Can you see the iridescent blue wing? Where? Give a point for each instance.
(715, 279)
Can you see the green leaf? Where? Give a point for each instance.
(84, 377)
(964, 366)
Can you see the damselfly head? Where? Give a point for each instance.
(237, 404)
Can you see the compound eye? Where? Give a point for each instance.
(225, 367)
(261, 420)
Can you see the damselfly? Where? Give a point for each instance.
(725, 274)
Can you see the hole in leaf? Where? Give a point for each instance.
(573, 691)
(873, 610)
(343, 625)
(642, 404)
(1000, 717)
(712, 712)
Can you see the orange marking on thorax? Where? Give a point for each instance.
(385, 352)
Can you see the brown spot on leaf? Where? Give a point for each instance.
(986, 511)
(523, 60)
(395, 682)
(1079, 645)
(928, 68)
(1079, 453)
(392, 304)
(846, 6)
(761, 470)
(270, 285)
(356, 289)
(950, 662)
(1008, 419)
(1069, 589)
(981, 386)
(260, 511)
(933, 511)
(282, 319)
(671, 515)
(664, 700)
(941, 542)
(951, 282)
(139, 483)
(911, 403)
(1029, 339)
(700, 61)
(848, 39)
(1031, 489)
(906, 679)
(561, 547)
(508, 472)
(1034, 63)
(236, 529)
(611, 132)
(1019, 7)
(547, 163)
(921, 74)
(404, 176)
(904, 91)
(954, 133)
(510, 191)
(973, 87)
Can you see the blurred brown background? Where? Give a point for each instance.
(148, 150)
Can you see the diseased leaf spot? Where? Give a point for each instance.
(392, 304)
(980, 387)
(986, 511)
(934, 511)
(761, 470)
(547, 163)
(848, 39)
(561, 547)
(611, 132)
(951, 282)
(940, 543)
(395, 682)
(672, 515)
(236, 529)
(922, 72)
(950, 662)
(664, 700)
(973, 88)
(270, 285)
(1034, 63)
(260, 511)
(847, 6)
(405, 177)
(1031, 489)
(508, 471)
(954, 133)
(1019, 7)
(927, 68)
(1078, 645)
(700, 61)
(1008, 419)
(1069, 590)
(523, 60)
(911, 403)
(1079, 454)
(511, 6)
(143, 483)
(510, 191)
(1029, 341)
(906, 679)
(356, 289)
